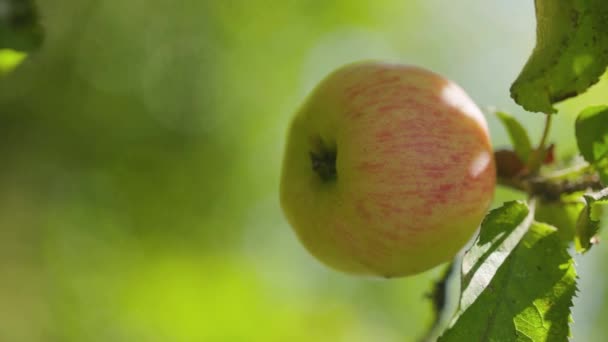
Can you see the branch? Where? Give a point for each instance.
(550, 189)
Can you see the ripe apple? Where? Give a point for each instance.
(388, 170)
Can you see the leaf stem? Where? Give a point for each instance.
(543, 139)
(539, 154)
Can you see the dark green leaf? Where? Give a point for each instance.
(588, 223)
(517, 133)
(592, 133)
(19, 25)
(528, 299)
(571, 53)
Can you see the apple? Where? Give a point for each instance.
(388, 170)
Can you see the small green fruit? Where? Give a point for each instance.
(562, 214)
(388, 170)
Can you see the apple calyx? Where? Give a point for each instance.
(323, 159)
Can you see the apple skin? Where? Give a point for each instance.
(412, 173)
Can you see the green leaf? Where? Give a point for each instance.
(500, 232)
(518, 134)
(592, 133)
(570, 55)
(19, 25)
(528, 299)
(588, 223)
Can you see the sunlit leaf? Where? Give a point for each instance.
(571, 53)
(529, 298)
(501, 231)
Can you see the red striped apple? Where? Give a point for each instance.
(388, 170)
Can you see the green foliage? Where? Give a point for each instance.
(500, 232)
(571, 53)
(19, 25)
(140, 150)
(592, 138)
(529, 297)
(518, 134)
(589, 220)
(592, 133)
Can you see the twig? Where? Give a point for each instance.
(550, 189)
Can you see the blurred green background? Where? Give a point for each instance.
(140, 151)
